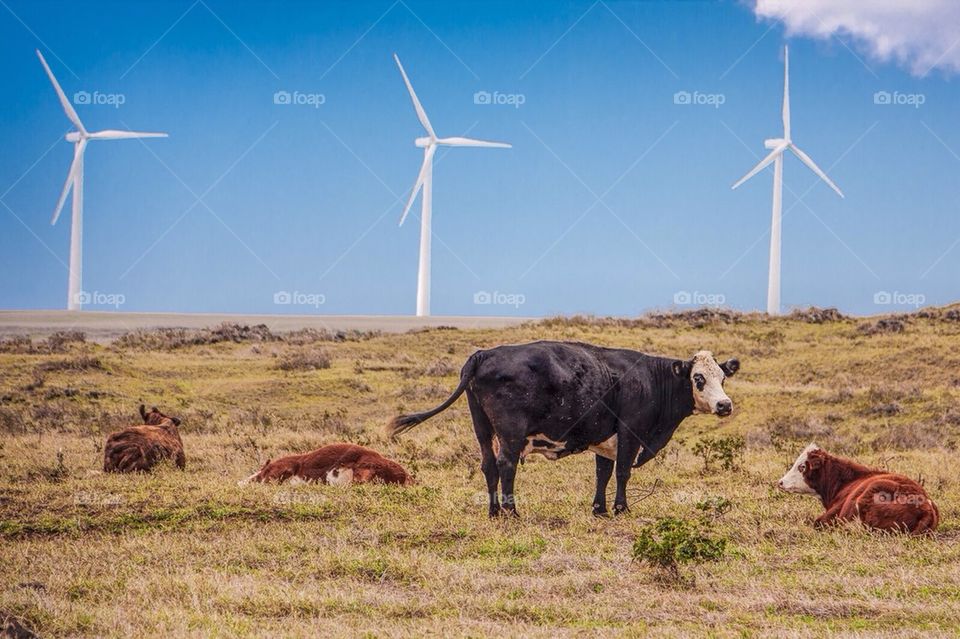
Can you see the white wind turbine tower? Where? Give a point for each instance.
(778, 146)
(75, 182)
(425, 182)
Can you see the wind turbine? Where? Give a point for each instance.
(75, 182)
(424, 181)
(778, 146)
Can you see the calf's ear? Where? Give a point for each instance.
(175, 420)
(682, 368)
(730, 367)
(143, 412)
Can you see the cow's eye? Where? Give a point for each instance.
(802, 467)
(700, 381)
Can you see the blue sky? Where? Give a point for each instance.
(614, 199)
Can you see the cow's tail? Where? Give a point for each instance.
(403, 423)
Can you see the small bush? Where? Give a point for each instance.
(312, 359)
(82, 363)
(174, 338)
(714, 507)
(725, 451)
(883, 325)
(440, 368)
(670, 542)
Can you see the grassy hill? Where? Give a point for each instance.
(181, 553)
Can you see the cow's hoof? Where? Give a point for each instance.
(600, 511)
(620, 509)
(494, 512)
(510, 512)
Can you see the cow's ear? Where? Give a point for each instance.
(175, 420)
(143, 412)
(682, 368)
(814, 460)
(730, 367)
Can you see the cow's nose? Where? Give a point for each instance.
(724, 407)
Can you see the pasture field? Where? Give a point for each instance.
(192, 554)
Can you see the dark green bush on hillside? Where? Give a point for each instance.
(671, 541)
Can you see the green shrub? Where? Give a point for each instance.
(725, 451)
(670, 541)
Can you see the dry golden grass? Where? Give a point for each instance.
(190, 553)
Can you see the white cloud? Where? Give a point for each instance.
(920, 35)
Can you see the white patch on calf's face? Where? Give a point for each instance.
(340, 477)
(793, 481)
(707, 379)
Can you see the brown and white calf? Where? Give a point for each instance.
(850, 491)
(139, 448)
(336, 464)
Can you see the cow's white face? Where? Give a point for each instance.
(706, 377)
(793, 481)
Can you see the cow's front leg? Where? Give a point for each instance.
(604, 471)
(625, 456)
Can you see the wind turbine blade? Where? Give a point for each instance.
(71, 174)
(67, 107)
(427, 159)
(473, 142)
(816, 169)
(786, 93)
(421, 114)
(762, 164)
(111, 134)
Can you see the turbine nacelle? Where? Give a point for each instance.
(424, 142)
(772, 143)
(73, 136)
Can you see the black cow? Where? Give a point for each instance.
(561, 398)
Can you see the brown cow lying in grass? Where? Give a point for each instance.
(139, 448)
(849, 491)
(336, 464)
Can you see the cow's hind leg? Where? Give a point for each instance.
(604, 471)
(507, 459)
(488, 463)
